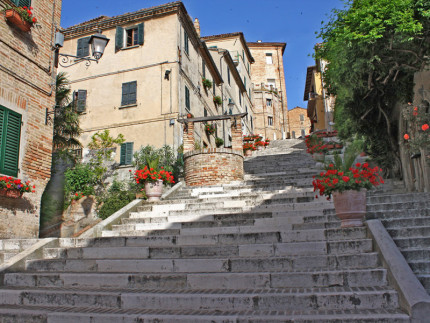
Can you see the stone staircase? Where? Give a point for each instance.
(263, 250)
(11, 247)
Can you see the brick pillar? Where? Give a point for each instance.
(188, 137)
(236, 134)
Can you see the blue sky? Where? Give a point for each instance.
(291, 21)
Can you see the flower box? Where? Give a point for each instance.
(12, 193)
(15, 18)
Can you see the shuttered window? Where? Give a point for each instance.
(126, 153)
(119, 38)
(10, 135)
(22, 3)
(83, 47)
(129, 91)
(187, 99)
(186, 46)
(80, 100)
(129, 37)
(228, 75)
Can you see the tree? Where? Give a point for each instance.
(373, 49)
(66, 121)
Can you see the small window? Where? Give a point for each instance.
(83, 49)
(186, 41)
(126, 153)
(269, 102)
(303, 133)
(187, 99)
(80, 100)
(204, 69)
(228, 75)
(302, 117)
(10, 136)
(129, 91)
(131, 37)
(22, 3)
(244, 81)
(248, 69)
(205, 112)
(252, 126)
(294, 135)
(271, 82)
(240, 98)
(270, 121)
(213, 87)
(269, 59)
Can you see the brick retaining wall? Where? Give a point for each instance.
(213, 166)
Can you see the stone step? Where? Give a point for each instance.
(397, 223)
(421, 266)
(410, 231)
(405, 197)
(22, 313)
(412, 242)
(425, 281)
(272, 300)
(416, 254)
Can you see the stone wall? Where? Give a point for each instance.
(26, 75)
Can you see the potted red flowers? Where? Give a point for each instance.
(14, 187)
(248, 148)
(348, 184)
(21, 17)
(152, 179)
(210, 129)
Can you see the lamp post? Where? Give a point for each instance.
(97, 43)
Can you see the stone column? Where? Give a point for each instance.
(236, 134)
(188, 137)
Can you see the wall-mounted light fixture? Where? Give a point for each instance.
(166, 74)
(172, 122)
(97, 43)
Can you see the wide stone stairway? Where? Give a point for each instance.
(262, 250)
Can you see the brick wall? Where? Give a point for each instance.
(296, 124)
(26, 74)
(213, 167)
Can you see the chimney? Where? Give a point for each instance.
(197, 26)
(258, 41)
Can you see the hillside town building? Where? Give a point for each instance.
(27, 75)
(299, 123)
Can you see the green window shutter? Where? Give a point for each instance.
(140, 33)
(124, 99)
(119, 38)
(213, 87)
(126, 154)
(132, 92)
(187, 99)
(186, 48)
(22, 3)
(204, 69)
(83, 49)
(10, 133)
(81, 100)
(228, 75)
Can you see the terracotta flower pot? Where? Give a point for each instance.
(154, 190)
(350, 207)
(318, 157)
(248, 152)
(14, 18)
(12, 193)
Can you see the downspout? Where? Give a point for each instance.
(282, 99)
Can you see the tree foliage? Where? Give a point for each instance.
(373, 48)
(66, 121)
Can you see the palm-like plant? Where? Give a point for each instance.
(66, 121)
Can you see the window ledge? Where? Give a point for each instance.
(128, 106)
(130, 47)
(124, 166)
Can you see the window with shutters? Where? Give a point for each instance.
(203, 68)
(270, 121)
(302, 132)
(22, 3)
(83, 49)
(302, 117)
(228, 75)
(10, 136)
(269, 59)
(187, 99)
(129, 37)
(129, 91)
(269, 102)
(126, 153)
(186, 43)
(80, 100)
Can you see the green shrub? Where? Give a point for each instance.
(117, 196)
(80, 178)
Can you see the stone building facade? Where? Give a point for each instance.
(299, 123)
(26, 77)
(270, 97)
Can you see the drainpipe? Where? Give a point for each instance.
(284, 132)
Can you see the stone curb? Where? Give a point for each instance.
(172, 190)
(17, 262)
(115, 218)
(413, 298)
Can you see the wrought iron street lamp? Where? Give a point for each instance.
(97, 43)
